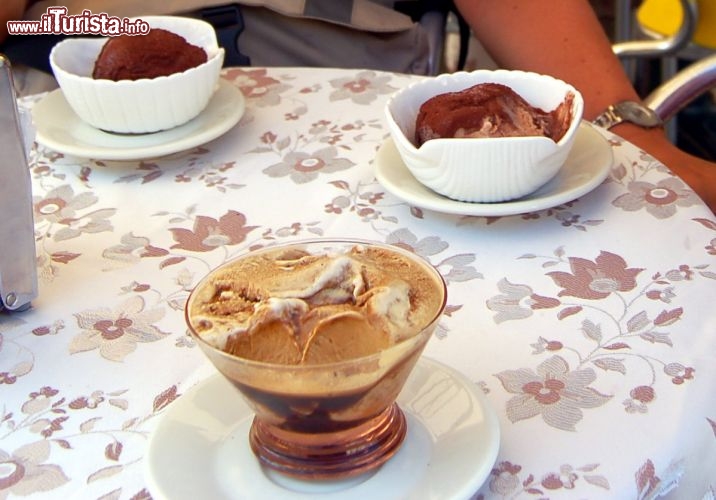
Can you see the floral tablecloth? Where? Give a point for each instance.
(590, 326)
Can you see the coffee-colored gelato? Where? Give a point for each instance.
(300, 308)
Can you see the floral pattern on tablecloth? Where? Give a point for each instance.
(583, 323)
(622, 315)
(56, 421)
(660, 199)
(116, 332)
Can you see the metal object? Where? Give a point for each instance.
(18, 268)
(679, 91)
(656, 47)
(628, 111)
(660, 47)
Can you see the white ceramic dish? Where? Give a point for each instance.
(585, 168)
(138, 106)
(483, 169)
(59, 128)
(200, 447)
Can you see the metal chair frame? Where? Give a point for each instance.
(678, 88)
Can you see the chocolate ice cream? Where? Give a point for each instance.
(489, 110)
(158, 53)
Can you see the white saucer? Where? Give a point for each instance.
(587, 166)
(200, 447)
(59, 128)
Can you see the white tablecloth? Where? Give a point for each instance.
(590, 326)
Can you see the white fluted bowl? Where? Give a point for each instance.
(483, 169)
(138, 106)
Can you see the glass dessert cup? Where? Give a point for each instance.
(334, 420)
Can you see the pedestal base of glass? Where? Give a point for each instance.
(330, 455)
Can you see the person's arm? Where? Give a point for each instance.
(10, 10)
(564, 38)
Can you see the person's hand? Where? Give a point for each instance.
(698, 173)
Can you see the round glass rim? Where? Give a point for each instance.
(250, 363)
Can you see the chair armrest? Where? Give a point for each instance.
(680, 90)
